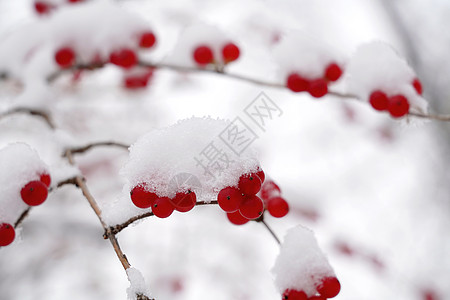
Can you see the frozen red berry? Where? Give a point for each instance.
(318, 88)
(236, 218)
(252, 207)
(297, 83)
(294, 295)
(147, 40)
(42, 7)
(184, 201)
(417, 86)
(203, 55)
(134, 82)
(249, 184)
(277, 207)
(162, 207)
(125, 58)
(333, 72)
(45, 179)
(329, 287)
(379, 100)
(7, 234)
(269, 190)
(229, 199)
(261, 175)
(141, 197)
(34, 193)
(398, 106)
(65, 57)
(230, 52)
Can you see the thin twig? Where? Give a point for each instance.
(85, 148)
(22, 217)
(270, 230)
(33, 112)
(119, 227)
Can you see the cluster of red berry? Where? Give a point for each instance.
(33, 193)
(328, 287)
(396, 105)
(204, 55)
(242, 203)
(162, 207)
(44, 8)
(125, 58)
(315, 87)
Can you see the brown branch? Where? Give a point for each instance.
(33, 112)
(52, 77)
(119, 227)
(22, 217)
(93, 145)
(80, 182)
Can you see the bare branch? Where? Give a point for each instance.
(93, 145)
(33, 112)
(22, 217)
(261, 220)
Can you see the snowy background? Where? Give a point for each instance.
(374, 190)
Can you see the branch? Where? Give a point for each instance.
(93, 145)
(220, 71)
(261, 220)
(119, 227)
(33, 112)
(80, 182)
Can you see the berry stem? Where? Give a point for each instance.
(33, 112)
(261, 220)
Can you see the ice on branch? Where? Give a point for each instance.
(301, 265)
(19, 165)
(137, 284)
(191, 155)
(377, 66)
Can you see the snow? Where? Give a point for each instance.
(137, 284)
(19, 164)
(300, 264)
(306, 55)
(377, 66)
(165, 159)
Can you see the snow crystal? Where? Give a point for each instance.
(377, 66)
(19, 164)
(170, 160)
(300, 53)
(300, 264)
(137, 284)
(194, 36)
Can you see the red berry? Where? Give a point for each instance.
(296, 83)
(269, 190)
(329, 287)
(261, 175)
(230, 52)
(41, 7)
(318, 88)
(333, 72)
(277, 207)
(236, 218)
(252, 207)
(398, 106)
(229, 199)
(162, 207)
(379, 100)
(34, 193)
(7, 234)
(147, 40)
(135, 82)
(65, 57)
(45, 179)
(125, 58)
(417, 86)
(185, 201)
(141, 197)
(249, 184)
(294, 295)
(203, 55)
